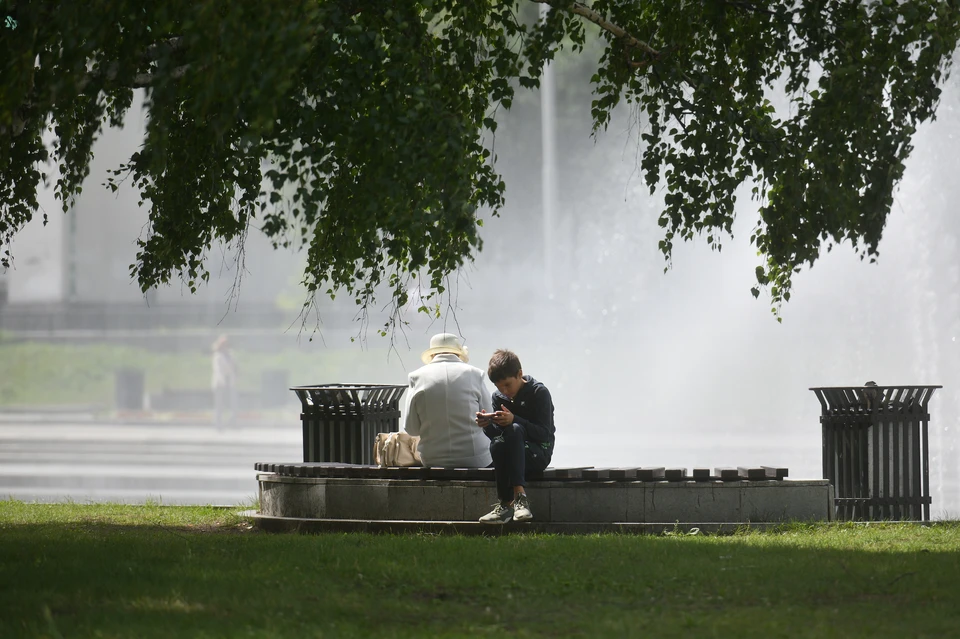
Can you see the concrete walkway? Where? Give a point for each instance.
(62, 459)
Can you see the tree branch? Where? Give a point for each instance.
(749, 6)
(143, 80)
(108, 74)
(616, 31)
(152, 53)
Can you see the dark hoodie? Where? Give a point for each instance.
(533, 408)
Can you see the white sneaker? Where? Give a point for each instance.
(501, 514)
(521, 508)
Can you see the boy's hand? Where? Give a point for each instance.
(503, 417)
(485, 419)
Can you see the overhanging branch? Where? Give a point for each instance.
(153, 52)
(593, 16)
(143, 80)
(107, 74)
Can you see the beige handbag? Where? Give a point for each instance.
(396, 449)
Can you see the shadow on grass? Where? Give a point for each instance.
(81, 579)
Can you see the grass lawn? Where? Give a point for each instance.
(158, 571)
(85, 374)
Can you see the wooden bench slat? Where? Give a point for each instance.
(553, 474)
(355, 472)
(651, 474)
(623, 473)
(410, 472)
(595, 473)
(727, 474)
(779, 473)
(434, 472)
(754, 474)
(675, 474)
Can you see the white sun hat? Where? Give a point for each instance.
(445, 343)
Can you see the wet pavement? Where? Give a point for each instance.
(81, 459)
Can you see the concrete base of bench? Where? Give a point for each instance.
(308, 525)
(552, 502)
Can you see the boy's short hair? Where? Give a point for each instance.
(503, 364)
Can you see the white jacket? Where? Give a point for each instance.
(224, 370)
(444, 398)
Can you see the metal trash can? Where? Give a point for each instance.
(876, 450)
(341, 421)
(128, 388)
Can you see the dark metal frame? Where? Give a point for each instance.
(876, 450)
(341, 421)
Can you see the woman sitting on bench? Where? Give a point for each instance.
(445, 395)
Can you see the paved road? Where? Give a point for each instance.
(171, 463)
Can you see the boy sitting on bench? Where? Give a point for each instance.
(521, 433)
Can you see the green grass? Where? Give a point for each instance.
(84, 374)
(154, 571)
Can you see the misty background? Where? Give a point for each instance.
(683, 368)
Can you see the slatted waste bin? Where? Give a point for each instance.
(876, 450)
(340, 421)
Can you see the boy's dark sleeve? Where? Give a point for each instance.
(539, 425)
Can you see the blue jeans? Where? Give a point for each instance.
(514, 457)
